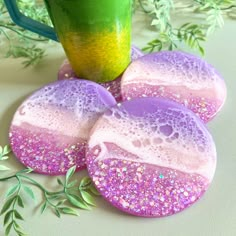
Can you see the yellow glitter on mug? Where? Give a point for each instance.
(103, 56)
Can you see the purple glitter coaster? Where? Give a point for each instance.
(66, 72)
(50, 129)
(151, 157)
(178, 76)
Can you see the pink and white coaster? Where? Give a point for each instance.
(177, 76)
(151, 157)
(50, 129)
(66, 72)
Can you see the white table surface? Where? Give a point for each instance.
(213, 215)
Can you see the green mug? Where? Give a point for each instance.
(95, 34)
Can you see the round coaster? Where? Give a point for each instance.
(66, 72)
(178, 76)
(49, 130)
(151, 157)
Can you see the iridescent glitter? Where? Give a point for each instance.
(66, 72)
(151, 157)
(50, 129)
(178, 76)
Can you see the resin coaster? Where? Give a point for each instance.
(66, 72)
(178, 76)
(49, 130)
(151, 157)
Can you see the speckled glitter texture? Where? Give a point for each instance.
(49, 130)
(178, 76)
(66, 72)
(102, 56)
(151, 157)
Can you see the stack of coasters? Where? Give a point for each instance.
(149, 152)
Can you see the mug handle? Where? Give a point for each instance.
(28, 23)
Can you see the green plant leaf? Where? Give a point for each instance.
(6, 150)
(57, 212)
(29, 191)
(61, 202)
(20, 202)
(77, 202)
(60, 182)
(12, 190)
(20, 232)
(85, 182)
(54, 197)
(2, 168)
(18, 215)
(8, 229)
(69, 211)
(94, 190)
(148, 49)
(2, 158)
(7, 204)
(7, 217)
(72, 184)
(170, 48)
(201, 49)
(18, 228)
(88, 198)
(69, 173)
(44, 207)
(25, 171)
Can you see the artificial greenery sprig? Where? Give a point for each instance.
(71, 194)
(21, 43)
(192, 34)
(4, 152)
